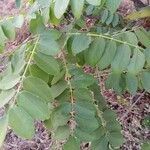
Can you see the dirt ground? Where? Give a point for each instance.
(133, 130)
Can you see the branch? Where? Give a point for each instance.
(108, 38)
(138, 99)
(24, 73)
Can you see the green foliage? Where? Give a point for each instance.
(21, 122)
(3, 127)
(146, 146)
(113, 5)
(44, 79)
(77, 44)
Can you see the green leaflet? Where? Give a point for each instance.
(37, 72)
(145, 79)
(83, 94)
(60, 7)
(78, 46)
(147, 56)
(8, 29)
(72, 144)
(47, 63)
(102, 105)
(87, 125)
(131, 83)
(113, 126)
(45, 14)
(114, 136)
(108, 55)
(100, 144)
(83, 81)
(3, 128)
(6, 96)
(57, 118)
(49, 47)
(143, 37)
(116, 20)
(33, 105)
(98, 133)
(121, 59)
(103, 136)
(95, 51)
(116, 139)
(85, 109)
(44, 3)
(62, 133)
(64, 97)
(48, 44)
(89, 10)
(58, 77)
(21, 122)
(65, 108)
(3, 38)
(58, 88)
(77, 7)
(51, 34)
(53, 19)
(109, 19)
(18, 21)
(146, 146)
(130, 37)
(38, 87)
(18, 60)
(83, 136)
(36, 24)
(9, 81)
(117, 82)
(104, 15)
(137, 62)
(94, 2)
(109, 115)
(113, 5)
(80, 79)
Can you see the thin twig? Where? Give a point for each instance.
(24, 73)
(99, 80)
(70, 87)
(107, 37)
(9, 53)
(138, 99)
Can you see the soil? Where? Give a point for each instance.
(133, 130)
